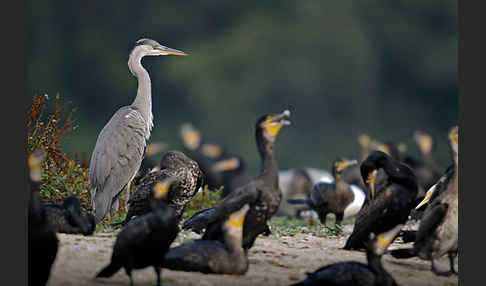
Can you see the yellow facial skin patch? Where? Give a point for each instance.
(371, 179)
(272, 127)
(455, 135)
(161, 189)
(386, 238)
(237, 218)
(237, 221)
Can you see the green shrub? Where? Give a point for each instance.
(202, 200)
(61, 176)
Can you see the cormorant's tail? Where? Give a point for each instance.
(299, 201)
(109, 270)
(403, 253)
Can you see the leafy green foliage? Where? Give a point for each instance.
(203, 200)
(283, 226)
(61, 176)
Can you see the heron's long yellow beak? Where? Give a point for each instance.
(168, 51)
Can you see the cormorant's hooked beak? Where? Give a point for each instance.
(212, 151)
(427, 197)
(161, 188)
(163, 50)
(226, 165)
(370, 181)
(384, 239)
(275, 122)
(346, 163)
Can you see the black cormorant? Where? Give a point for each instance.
(145, 240)
(339, 198)
(390, 205)
(70, 217)
(173, 164)
(213, 256)
(42, 239)
(437, 234)
(262, 194)
(233, 169)
(356, 273)
(193, 145)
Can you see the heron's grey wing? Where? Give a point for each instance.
(116, 157)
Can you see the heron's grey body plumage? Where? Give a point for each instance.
(119, 148)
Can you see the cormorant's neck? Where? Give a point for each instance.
(268, 167)
(374, 263)
(143, 100)
(233, 242)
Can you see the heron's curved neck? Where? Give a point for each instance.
(143, 100)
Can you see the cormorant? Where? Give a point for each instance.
(189, 179)
(70, 217)
(193, 142)
(262, 194)
(356, 273)
(389, 206)
(338, 197)
(144, 241)
(232, 169)
(42, 239)
(437, 234)
(213, 256)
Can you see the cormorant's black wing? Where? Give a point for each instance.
(195, 221)
(368, 219)
(200, 256)
(231, 203)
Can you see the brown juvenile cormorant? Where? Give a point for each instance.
(262, 194)
(144, 241)
(212, 256)
(173, 164)
(356, 273)
(70, 217)
(389, 206)
(339, 198)
(42, 239)
(437, 234)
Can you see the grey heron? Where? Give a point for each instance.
(119, 149)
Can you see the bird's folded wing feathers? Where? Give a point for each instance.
(119, 145)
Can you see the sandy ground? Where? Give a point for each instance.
(273, 261)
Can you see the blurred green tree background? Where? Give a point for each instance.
(386, 68)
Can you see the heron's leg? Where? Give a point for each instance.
(128, 271)
(127, 195)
